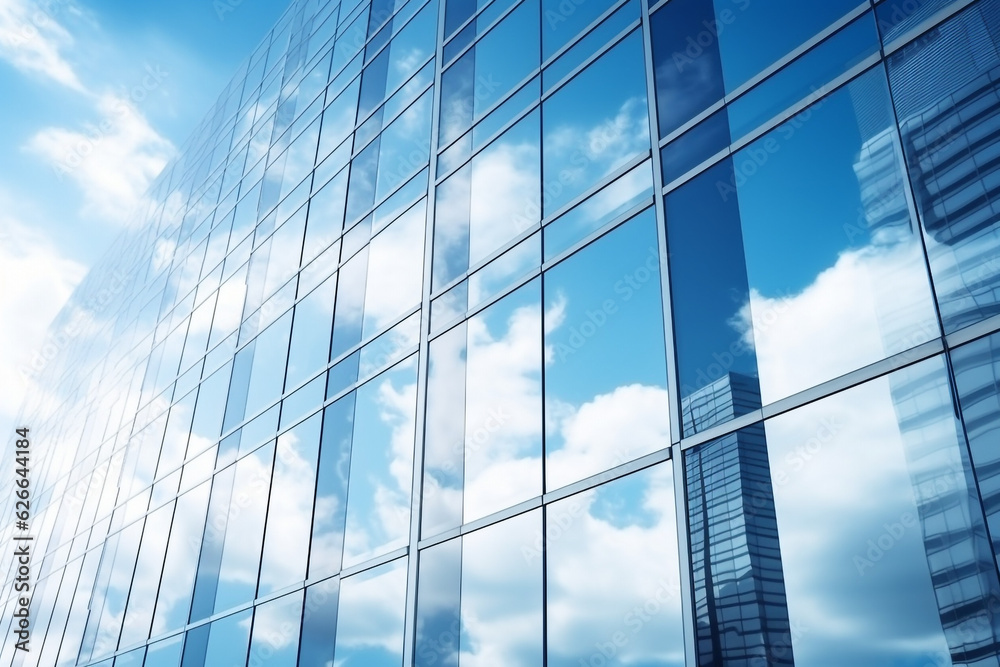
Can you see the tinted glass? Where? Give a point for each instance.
(595, 123)
(632, 613)
(275, 639)
(945, 105)
(370, 617)
(378, 503)
(605, 398)
(326, 548)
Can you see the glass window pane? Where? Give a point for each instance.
(595, 123)
(605, 368)
(350, 304)
(149, 565)
(562, 21)
(708, 281)
(444, 442)
(319, 623)
(439, 605)
(631, 614)
(907, 577)
(395, 270)
(977, 378)
(815, 232)
(267, 374)
(311, 330)
(245, 529)
(502, 595)
(946, 105)
(754, 35)
(688, 76)
(275, 640)
(181, 560)
(327, 546)
(166, 653)
(378, 503)
(370, 619)
(289, 512)
(222, 643)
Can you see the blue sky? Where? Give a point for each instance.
(95, 98)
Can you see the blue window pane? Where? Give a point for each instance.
(908, 577)
(595, 124)
(605, 370)
(289, 511)
(275, 640)
(688, 74)
(327, 546)
(633, 617)
(181, 561)
(945, 89)
(166, 653)
(708, 282)
(350, 304)
(319, 623)
(816, 231)
(977, 378)
(594, 40)
(378, 501)
(439, 622)
(690, 149)
(808, 73)
(754, 35)
(370, 618)
(444, 441)
(895, 17)
(311, 329)
(562, 20)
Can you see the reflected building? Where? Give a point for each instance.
(739, 590)
(408, 358)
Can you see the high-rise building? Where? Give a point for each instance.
(557, 333)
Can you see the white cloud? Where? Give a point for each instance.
(33, 41)
(35, 282)
(113, 163)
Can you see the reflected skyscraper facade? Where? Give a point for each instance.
(530, 332)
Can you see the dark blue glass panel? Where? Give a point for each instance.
(319, 623)
(688, 73)
(801, 78)
(562, 20)
(895, 17)
(945, 88)
(373, 84)
(696, 145)
(754, 35)
(708, 281)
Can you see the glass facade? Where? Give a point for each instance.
(542, 333)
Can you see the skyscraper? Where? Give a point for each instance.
(539, 332)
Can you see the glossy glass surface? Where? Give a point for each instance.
(289, 511)
(590, 128)
(370, 617)
(595, 301)
(947, 123)
(898, 570)
(631, 616)
(378, 501)
(275, 638)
